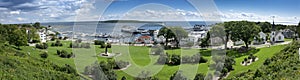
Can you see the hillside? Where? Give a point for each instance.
(283, 66)
(16, 65)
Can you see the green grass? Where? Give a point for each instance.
(262, 55)
(285, 39)
(51, 52)
(140, 55)
(141, 60)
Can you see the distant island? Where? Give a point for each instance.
(128, 21)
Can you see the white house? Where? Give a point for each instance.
(194, 36)
(43, 35)
(276, 36)
(262, 38)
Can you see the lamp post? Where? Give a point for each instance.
(106, 44)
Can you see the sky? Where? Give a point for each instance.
(30, 11)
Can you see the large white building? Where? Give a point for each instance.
(276, 36)
(43, 35)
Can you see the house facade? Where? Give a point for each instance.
(276, 36)
(288, 33)
(43, 35)
(261, 39)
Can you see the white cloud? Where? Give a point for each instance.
(15, 12)
(3, 9)
(20, 19)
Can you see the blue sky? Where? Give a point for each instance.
(28, 11)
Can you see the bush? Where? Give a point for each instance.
(41, 46)
(163, 59)
(245, 59)
(64, 54)
(199, 76)
(74, 45)
(175, 59)
(197, 58)
(57, 43)
(85, 45)
(44, 55)
(157, 50)
(97, 42)
(78, 41)
(65, 38)
(178, 76)
(121, 64)
(58, 52)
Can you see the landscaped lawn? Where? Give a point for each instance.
(262, 55)
(288, 39)
(139, 57)
(52, 56)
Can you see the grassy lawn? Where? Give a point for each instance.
(140, 59)
(285, 39)
(52, 56)
(262, 55)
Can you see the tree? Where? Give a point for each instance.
(199, 76)
(178, 76)
(266, 27)
(167, 34)
(18, 38)
(37, 25)
(245, 31)
(205, 42)
(218, 31)
(180, 33)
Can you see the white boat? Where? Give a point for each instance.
(128, 29)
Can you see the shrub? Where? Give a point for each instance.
(63, 54)
(121, 64)
(57, 43)
(97, 42)
(202, 60)
(245, 59)
(85, 45)
(65, 38)
(74, 45)
(123, 78)
(163, 59)
(199, 76)
(44, 55)
(175, 59)
(78, 41)
(58, 52)
(41, 46)
(178, 76)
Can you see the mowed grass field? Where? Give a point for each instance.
(262, 55)
(139, 58)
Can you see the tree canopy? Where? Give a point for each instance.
(175, 33)
(243, 30)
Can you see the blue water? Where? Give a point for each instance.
(109, 28)
(114, 29)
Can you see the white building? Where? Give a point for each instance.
(276, 36)
(262, 38)
(43, 35)
(194, 36)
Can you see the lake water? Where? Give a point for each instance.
(94, 27)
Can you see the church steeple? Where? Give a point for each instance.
(273, 25)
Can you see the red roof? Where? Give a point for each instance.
(145, 37)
